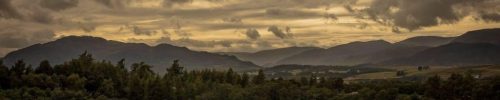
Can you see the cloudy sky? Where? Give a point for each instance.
(240, 25)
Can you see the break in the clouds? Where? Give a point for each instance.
(240, 25)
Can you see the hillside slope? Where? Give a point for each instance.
(160, 56)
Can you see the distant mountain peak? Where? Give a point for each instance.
(372, 41)
(367, 44)
(81, 38)
(491, 36)
(160, 56)
(429, 41)
(164, 45)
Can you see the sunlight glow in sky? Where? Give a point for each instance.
(227, 25)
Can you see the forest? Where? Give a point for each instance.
(85, 78)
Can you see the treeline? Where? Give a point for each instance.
(84, 78)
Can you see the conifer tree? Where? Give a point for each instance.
(175, 69)
(45, 68)
(260, 78)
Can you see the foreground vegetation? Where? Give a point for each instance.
(84, 78)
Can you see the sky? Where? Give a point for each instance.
(240, 25)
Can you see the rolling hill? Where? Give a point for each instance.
(336, 55)
(160, 56)
(479, 47)
(454, 54)
(268, 58)
(474, 47)
(428, 41)
(491, 36)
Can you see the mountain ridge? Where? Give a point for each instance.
(267, 58)
(355, 53)
(159, 56)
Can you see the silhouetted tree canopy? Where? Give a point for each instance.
(85, 78)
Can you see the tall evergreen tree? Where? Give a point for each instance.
(121, 64)
(244, 80)
(230, 76)
(86, 59)
(45, 68)
(260, 78)
(142, 70)
(175, 69)
(18, 68)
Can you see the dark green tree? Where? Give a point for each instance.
(244, 80)
(121, 64)
(142, 70)
(175, 69)
(18, 68)
(75, 82)
(230, 76)
(4, 76)
(107, 88)
(260, 78)
(432, 87)
(45, 68)
(86, 59)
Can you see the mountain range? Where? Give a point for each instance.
(270, 57)
(160, 56)
(479, 47)
(472, 48)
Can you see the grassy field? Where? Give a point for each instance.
(444, 71)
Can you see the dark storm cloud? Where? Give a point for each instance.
(28, 14)
(264, 44)
(396, 30)
(349, 8)
(87, 27)
(279, 32)
(252, 34)
(331, 16)
(490, 17)
(187, 42)
(58, 5)
(171, 3)
(140, 31)
(273, 9)
(8, 11)
(18, 39)
(232, 20)
(225, 26)
(415, 14)
(281, 13)
(42, 17)
(197, 43)
(11, 40)
(113, 4)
